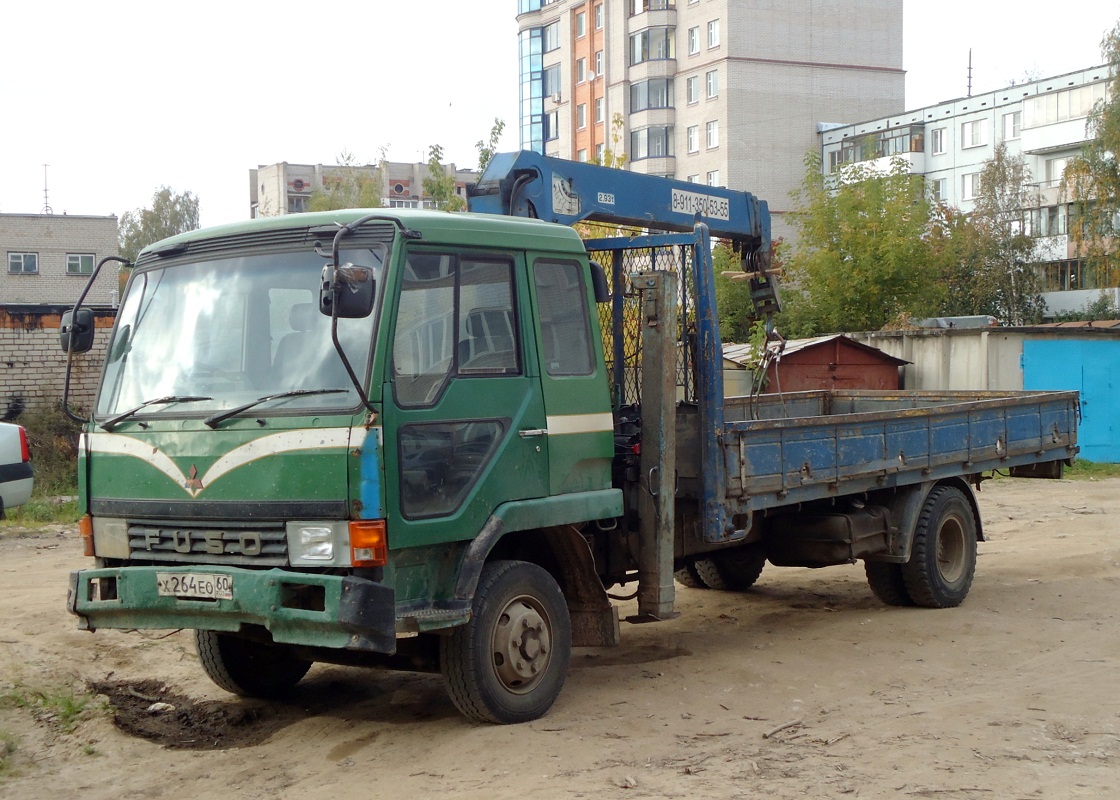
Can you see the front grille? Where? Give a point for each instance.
(233, 543)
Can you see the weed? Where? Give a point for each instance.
(60, 708)
(8, 745)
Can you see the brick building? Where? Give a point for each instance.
(720, 92)
(48, 260)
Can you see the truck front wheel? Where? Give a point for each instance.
(509, 662)
(943, 555)
(248, 668)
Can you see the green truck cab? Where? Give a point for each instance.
(238, 482)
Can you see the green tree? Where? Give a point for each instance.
(350, 185)
(170, 213)
(613, 156)
(734, 307)
(1092, 179)
(993, 269)
(489, 148)
(864, 254)
(439, 184)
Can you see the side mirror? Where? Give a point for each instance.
(599, 283)
(75, 333)
(347, 292)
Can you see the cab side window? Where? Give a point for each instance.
(565, 328)
(455, 317)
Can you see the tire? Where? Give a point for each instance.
(887, 583)
(247, 668)
(707, 570)
(740, 567)
(686, 576)
(943, 556)
(508, 664)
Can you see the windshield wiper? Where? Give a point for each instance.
(112, 422)
(215, 420)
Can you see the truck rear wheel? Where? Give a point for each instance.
(508, 664)
(887, 583)
(734, 570)
(943, 556)
(248, 668)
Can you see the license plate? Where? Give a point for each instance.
(194, 585)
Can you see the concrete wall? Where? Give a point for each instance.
(983, 358)
(33, 366)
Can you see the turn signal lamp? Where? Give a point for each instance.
(85, 530)
(368, 545)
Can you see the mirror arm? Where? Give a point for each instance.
(344, 231)
(74, 316)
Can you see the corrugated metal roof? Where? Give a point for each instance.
(744, 354)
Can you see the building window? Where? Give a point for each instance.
(655, 142)
(693, 138)
(970, 186)
(599, 109)
(550, 37)
(713, 178)
(1012, 124)
(652, 45)
(693, 179)
(551, 125)
(600, 151)
(711, 81)
(974, 133)
(1059, 106)
(1055, 169)
(599, 17)
(713, 34)
(598, 63)
(79, 263)
(938, 189)
(581, 155)
(581, 115)
(23, 263)
(581, 70)
(713, 134)
(551, 81)
(297, 204)
(641, 6)
(692, 90)
(694, 40)
(937, 141)
(581, 24)
(654, 93)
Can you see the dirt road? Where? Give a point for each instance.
(805, 686)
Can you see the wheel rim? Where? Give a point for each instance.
(951, 550)
(522, 644)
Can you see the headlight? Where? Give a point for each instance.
(317, 544)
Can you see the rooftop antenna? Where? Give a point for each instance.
(969, 72)
(46, 198)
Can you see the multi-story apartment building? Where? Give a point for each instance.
(287, 188)
(948, 143)
(722, 92)
(49, 258)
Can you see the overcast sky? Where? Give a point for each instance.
(120, 98)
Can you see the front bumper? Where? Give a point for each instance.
(345, 613)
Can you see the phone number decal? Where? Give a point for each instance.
(705, 205)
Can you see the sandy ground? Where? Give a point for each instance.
(1012, 695)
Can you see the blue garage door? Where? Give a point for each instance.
(1090, 367)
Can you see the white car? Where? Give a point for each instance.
(15, 467)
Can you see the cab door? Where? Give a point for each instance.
(465, 421)
(577, 404)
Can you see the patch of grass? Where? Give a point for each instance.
(1091, 470)
(59, 708)
(42, 511)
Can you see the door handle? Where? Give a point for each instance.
(525, 434)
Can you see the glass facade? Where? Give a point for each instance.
(531, 50)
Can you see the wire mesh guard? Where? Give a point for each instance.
(621, 322)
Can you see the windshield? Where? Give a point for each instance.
(227, 332)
